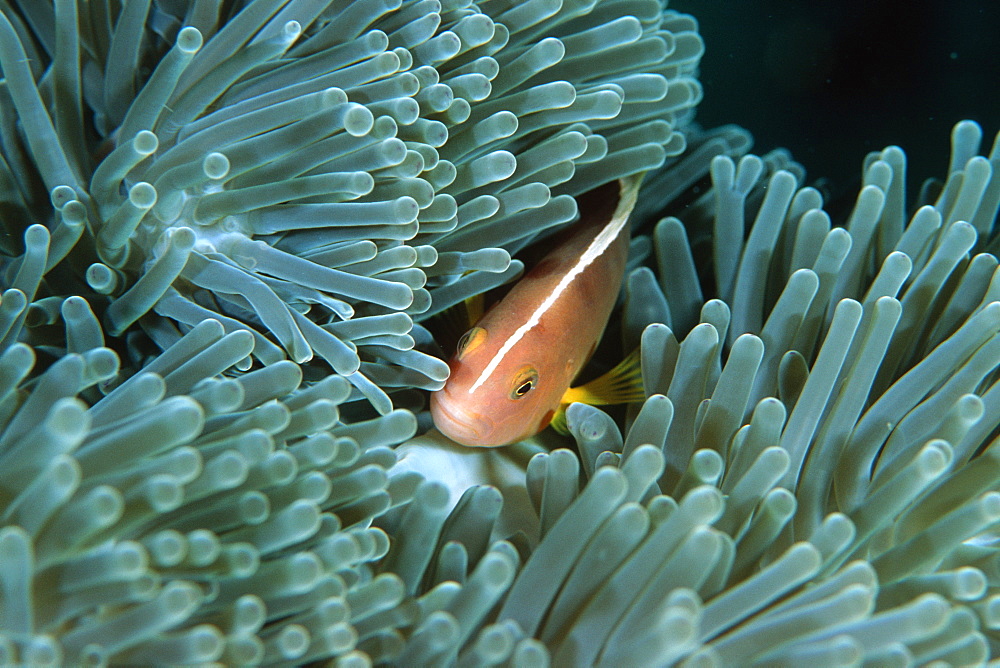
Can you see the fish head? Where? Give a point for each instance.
(489, 405)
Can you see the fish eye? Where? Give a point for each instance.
(471, 340)
(525, 381)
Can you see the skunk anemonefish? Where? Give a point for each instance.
(511, 373)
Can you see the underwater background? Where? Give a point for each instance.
(228, 228)
(831, 81)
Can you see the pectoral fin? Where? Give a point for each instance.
(450, 324)
(620, 385)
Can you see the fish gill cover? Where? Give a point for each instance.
(224, 227)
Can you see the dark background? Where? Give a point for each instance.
(833, 80)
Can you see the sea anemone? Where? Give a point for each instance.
(319, 174)
(226, 228)
(811, 477)
(201, 197)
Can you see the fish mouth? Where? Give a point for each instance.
(460, 425)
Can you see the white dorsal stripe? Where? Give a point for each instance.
(597, 246)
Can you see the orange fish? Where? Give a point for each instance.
(511, 373)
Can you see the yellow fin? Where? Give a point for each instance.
(620, 385)
(559, 420)
(450, 324)
(475, 307)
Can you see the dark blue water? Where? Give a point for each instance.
(832, 80)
